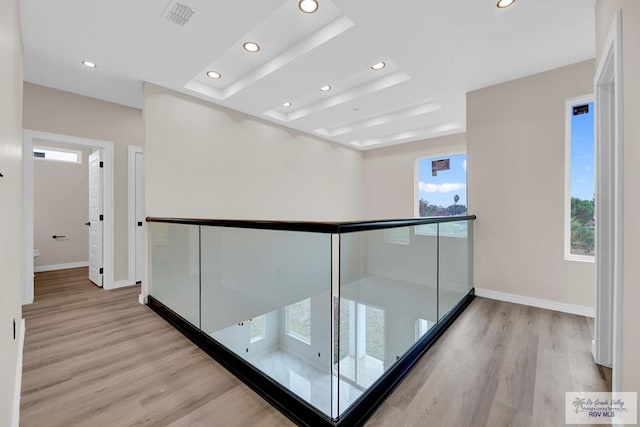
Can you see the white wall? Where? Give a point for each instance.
(56, 111)
(60, 207)
(630, 370)
(206, 161)
(390, 175)
(10, 207)
(516, 166)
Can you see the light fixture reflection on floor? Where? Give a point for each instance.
(502, 4)
(308, 6)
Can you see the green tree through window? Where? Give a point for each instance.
(582, 180)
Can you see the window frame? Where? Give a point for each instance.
(294, 334)
(36, 148)
(416, 192)
(263, 329)
(569, 103)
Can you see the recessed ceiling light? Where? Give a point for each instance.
(286, 104)
(251, 47)
(214, 74)
(325, 88)
(89, 64)
(378, 66)
(505, 3)
(308, 6)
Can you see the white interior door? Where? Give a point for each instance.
(95, 217)
(139, 218)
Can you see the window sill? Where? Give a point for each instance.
(580, 258)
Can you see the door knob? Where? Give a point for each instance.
(88, 223)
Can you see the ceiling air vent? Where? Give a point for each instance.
(179, 13)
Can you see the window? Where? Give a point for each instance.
(57, 155)
(362, 342)
(298, 320)
(258, 328)
(442, 191)
(580, 181)
(399, 236)
(422, 327)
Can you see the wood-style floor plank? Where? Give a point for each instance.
(98, 358)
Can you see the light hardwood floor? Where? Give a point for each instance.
(98, 358)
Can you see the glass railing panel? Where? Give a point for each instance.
(388, 301)
(174, 267)
(455, 263)
(266, 296)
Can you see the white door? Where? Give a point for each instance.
(95, 217)
(139, 218)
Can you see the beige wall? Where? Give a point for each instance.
(10, 202)
(55, 111)
(61, 207)
(516, 166)
(207, 161)
(605, 10)
(390, 175)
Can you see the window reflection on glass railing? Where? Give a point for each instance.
(298, 320)
(452, 229)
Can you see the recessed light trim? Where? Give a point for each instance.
(286, 104)
(214, 74)
(308, 6)
(89, 64)
(503, 4)
(325, 88)
(252, 47)
(378, 66)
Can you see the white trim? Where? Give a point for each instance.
(120, 284)
(536, 302)
(54, 267)
(109, 213)
(18, 382)
(609, 207)
(568, 256)
(27, 221)
(131, 202)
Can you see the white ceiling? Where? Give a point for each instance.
(436, 51)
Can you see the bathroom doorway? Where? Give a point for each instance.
(93, 234)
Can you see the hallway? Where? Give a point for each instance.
(98, 358)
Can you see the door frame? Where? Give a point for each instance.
(108, 204)
(131, 183)
(609, 207)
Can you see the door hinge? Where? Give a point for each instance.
(101, 164)
(101, 217)
(101, 270)
(14, 329)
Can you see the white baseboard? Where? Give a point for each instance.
(535, 302)
(120, 284)
(18, 383)
(53, 267)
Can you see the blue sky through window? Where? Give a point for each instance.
(440, 190)
(582, 151)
